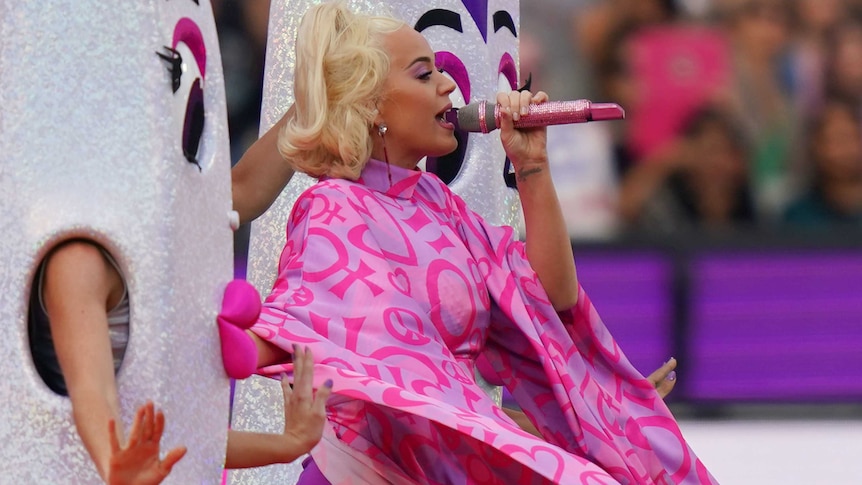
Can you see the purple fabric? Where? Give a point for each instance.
(398, 288)
(311, 474)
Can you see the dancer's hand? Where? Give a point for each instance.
(664, 378)
(304, 409)
(138, 463)
(304, 419)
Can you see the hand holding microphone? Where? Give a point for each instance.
(484, 117)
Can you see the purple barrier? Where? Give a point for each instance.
(633, 293)
(775, 326)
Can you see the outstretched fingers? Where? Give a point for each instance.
(141, 427)
(112, 435)
(303, 374)
(664, 378)
(171, 459)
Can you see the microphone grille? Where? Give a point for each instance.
(470, 117)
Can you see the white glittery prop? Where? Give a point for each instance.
(90, 146)
(258, 401)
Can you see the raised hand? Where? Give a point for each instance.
(138, 463)
(524, 146)
(304, 419)
(304, 409)
(664, 378)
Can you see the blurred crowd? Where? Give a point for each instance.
(741, 114)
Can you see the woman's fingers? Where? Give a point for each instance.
(172, 458)
(147, 422)
(298, 363)
(664, 378)
(159, 426)
(136, 434)
(525, 98)
(321, 396)
(112, 431)
(287, 391)
(517, 103)
(303, 374)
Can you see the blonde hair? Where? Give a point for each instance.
(341, 66)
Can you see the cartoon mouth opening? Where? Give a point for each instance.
(449, 166)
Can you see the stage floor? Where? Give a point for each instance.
(782, 451)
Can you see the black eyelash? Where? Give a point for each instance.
(527, 83)
(175, 66)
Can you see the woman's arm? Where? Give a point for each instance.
(260, 175)
(79, 285)
(304, 418)
(549, 248)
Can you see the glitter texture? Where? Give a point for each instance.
(555, 113)
(90, 146)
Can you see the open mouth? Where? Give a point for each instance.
(443, 117)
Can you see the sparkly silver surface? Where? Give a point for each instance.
(257, 402)
(90, 145)
(259, 406)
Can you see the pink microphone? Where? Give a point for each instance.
(484, 117)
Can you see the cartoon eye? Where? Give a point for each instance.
(449, 166)
(193, 126)
(451, 66)
(186, 58)
(508, 73)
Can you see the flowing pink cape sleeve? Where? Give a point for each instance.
(570, 377)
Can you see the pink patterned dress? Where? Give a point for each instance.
(399, 290)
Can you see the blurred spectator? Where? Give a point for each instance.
(595, 25)
(700, 181)
(759, 32)
(676, 69)
(659, 60)
(617, 84)
(543, 25)
(809, 50)
(835, 150)
(844, 65)
(581, 154)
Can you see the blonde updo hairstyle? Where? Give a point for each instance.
(341, 66)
